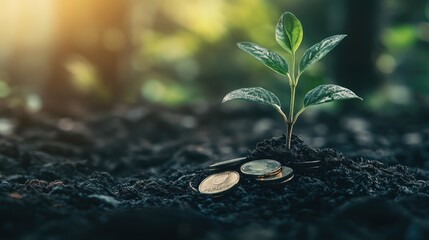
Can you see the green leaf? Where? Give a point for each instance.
(289, 32)
(328, 93)
(265, 56)
(319, 50)
(256, 94)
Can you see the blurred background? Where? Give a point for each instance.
(71, 56)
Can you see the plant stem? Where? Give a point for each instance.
(289, 135)
(297, 114)
(293, 69)
(292, 105)
(291, 121)
(292, 102)
(279, 110)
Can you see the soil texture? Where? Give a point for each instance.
(130, 172)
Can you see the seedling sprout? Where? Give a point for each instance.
(289, 34)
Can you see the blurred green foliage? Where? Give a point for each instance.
(199, 51)
(184, 51)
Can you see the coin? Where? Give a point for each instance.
(219, 183)
(192, 187)
(261, 168)
(227, 164)
(306, 164)
(284, 175)
(279, 184)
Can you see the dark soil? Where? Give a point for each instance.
(126, 174)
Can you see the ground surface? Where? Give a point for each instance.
(125, 174)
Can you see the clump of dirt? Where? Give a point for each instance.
(275, 148)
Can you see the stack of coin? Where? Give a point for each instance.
(261, 168)
(284, 176)
(267, 172)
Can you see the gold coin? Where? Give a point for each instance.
(261, 168)
(219, 182)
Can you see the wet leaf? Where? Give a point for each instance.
(256, 94)
(328, 93)
(265, 56)
(289, 32)
(319, 50)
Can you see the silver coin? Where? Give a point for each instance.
(227, 164)
(261, 168)
(284, 174)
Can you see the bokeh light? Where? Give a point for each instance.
(100, 53)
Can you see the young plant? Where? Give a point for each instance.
(289, 35)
